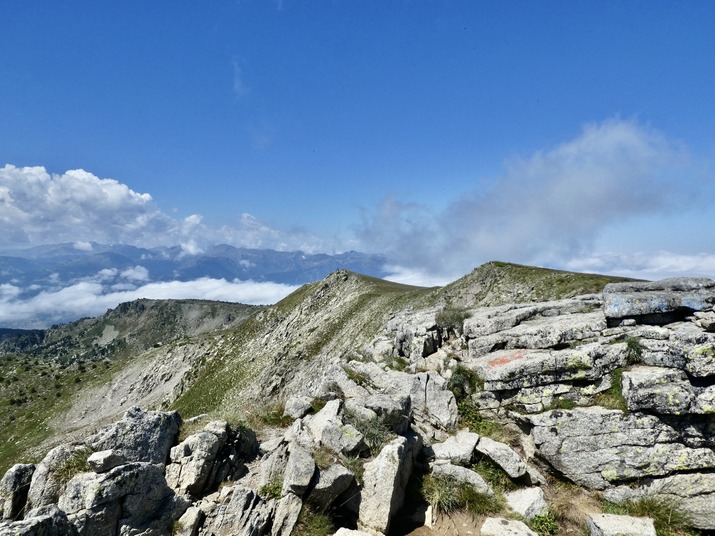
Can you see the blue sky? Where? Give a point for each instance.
(578, 135)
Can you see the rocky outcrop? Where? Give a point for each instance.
(659, 302)
(139, 436)
(624, 405)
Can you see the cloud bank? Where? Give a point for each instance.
(547, 209)
(110, 287)
(37, 207)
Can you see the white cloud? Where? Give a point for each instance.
(37, 207)
(547, 208)
(647, 265)
(91, 298)
(137, 273)
(83, 246)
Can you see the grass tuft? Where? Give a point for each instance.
(313, 523)
(447, 495)
(545, 524)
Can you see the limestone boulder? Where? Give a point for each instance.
(192, 462)
(503, 455)
(331, 482)
(141, 436)
(240, 511)
(44, 521)
(50, 475)
(299, 470)
(457, 449)
(384, 483)
(527, 502)
(694, 493)
(327, 428)
(462, 475)
(14, 486)
(105, 460)
(285, 517)
(522, 368)
(131, 498)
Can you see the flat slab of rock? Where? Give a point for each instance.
(498, 526)
(527, 502)
(597, 447)
(464, 475)
(656, 301)
(661, 390)
(503, 455)
(458, 449)
(614, 525)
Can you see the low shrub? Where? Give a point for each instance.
(464, 382)
(544, 524)
(452, 318)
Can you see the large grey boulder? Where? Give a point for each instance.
(14, 486)
(45, 521)
(299, 470)
(141, 436)
(457, 449)
(50, 475)
(597, 448)
(105, 460)
(527, 502)
(241, 511)
(503, 455)
(615, 525)
(499, 526)
(286, 515)
(657, 301)
(131, 498)
(462, 475)
(331, 482)
(192, 462)
(327, 428)
(431, 402)
(700, 359)
(384, 483)
(541, 333)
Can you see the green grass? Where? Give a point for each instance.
(33, 392)
(376, 432)
(464, 382)
(668, 517)
(311, 522)
(471, 417)
(447, 495)
(545, 524)
(613, 397)
(75, 464)
(272, 490)
(452, 318)
(494, 475)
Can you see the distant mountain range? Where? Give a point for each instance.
(45, 285)
(65, 262)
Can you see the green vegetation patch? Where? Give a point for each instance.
(447, 495)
